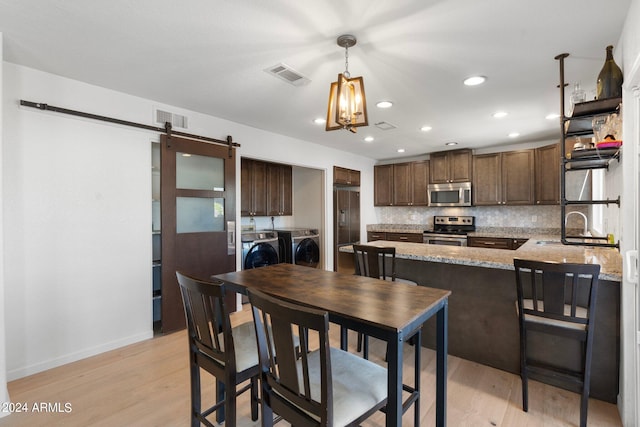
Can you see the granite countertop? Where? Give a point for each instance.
(540, 247)
(509, 232)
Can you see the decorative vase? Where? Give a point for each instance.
(609, 83)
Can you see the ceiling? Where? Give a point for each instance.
(210, 56)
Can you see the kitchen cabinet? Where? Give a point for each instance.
(253, 197)
(401, 184)
(547, 174)
(410, 182)
(376, 235)
(344, 176)
(393, 236)
(383, 185)
(505, 178)
(450, 166)
(495, 242)
(266, 188)
(279, 190)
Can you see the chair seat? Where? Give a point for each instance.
(358, 384)
(580, 312)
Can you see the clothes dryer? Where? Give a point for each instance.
(259, 248)
(300, 246)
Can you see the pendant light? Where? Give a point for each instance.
(347, 103)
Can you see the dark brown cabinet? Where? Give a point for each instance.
(495, 242)
(383, 185)
(410, 182)
(504, 178)
(253, 198)
(450, 166)
(401, 184)
(266, 188)
(395, 237)
(344, 176)
(279, 190)
(548, 160)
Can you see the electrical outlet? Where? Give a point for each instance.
(534, 218)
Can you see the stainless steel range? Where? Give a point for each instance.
(450, 230)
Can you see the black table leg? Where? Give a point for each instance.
(441, 364)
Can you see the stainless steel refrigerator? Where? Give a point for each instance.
(346, 225)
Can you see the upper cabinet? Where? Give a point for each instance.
(450, 166)
(401, 184)
(279, 190)
(344, 176)
(548, 163)
(504, 178)
(253, 176)
(266, 188)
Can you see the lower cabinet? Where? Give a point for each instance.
(394, 237)
(495, 242)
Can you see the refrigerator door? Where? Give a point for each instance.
(354, 216)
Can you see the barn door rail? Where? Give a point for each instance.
(166, 129)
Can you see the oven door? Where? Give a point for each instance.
(445, 240)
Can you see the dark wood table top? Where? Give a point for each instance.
(390, 306)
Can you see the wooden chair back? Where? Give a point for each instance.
(301, 397)
(376, 262)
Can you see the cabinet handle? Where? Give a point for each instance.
(489, 243)
(404, 238)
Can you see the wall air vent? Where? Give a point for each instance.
(384, 126)
(176, 120)
(288, 74)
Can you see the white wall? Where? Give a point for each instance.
(4, 395)
(77, 214)
(629, 398)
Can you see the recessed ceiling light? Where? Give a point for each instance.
(451, 143)
(384, 104)
(552, 116)
(514, 135)
(474, 80)
(500, 114)
(368, 139)
(400, 150)
(319, 121)
(426, 128)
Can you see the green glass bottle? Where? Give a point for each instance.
(609, 83)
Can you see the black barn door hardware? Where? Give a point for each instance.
(167, 129)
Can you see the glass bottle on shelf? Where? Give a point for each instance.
(578, 95)
(609, 84)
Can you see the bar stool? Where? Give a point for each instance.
(557, 299)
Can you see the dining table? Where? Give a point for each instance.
(390, 311)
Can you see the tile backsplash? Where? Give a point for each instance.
(547, 216)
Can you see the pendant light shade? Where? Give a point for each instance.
(347, 102)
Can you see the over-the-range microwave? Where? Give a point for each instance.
(450, 194)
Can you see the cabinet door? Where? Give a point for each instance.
(253, 188)
(487, 180)
(547, 174)
(279, 189)
(489, 242)
(518, 183)
(405, 237)
(420, 180)
(376, 235)
(402, 184)
(438, 168)
(382, 185)
(460, 166)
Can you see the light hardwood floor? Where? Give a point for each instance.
(147, 384)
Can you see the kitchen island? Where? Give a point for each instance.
(483, 324)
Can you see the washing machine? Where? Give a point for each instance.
(300, 246)
(259, 248)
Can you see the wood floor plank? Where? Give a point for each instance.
(147, 384)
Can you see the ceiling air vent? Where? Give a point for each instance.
(176, 120)
(288, 74)
(384, 126)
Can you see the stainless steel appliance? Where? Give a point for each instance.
(450, 194)
(259, 248)
(346, 220)
(300, 246)
(450, 230)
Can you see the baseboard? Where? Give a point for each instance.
(25, 371)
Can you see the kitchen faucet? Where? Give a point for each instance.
(586, 228)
